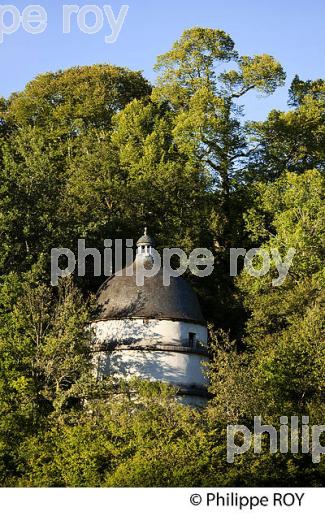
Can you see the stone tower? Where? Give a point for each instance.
(153, 331)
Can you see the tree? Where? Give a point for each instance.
(208, 125)
(293, 140)
(95, 153)
(285, 327)
(44, 352)
(66, 103)
(162, 186)
(58, 120)
(300, 89)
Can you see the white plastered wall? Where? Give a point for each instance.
(133, 339)
(178, 368)
(144, 332)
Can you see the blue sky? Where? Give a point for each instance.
(291, 30)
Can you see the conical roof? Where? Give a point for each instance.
(120, 297)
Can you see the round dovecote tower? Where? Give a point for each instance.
(153, 331)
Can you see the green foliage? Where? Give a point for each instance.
(44, 351)
(205, 99)
(286, 327)
(67, 102)
(293, 140)
(300, 89)
(95, 152)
